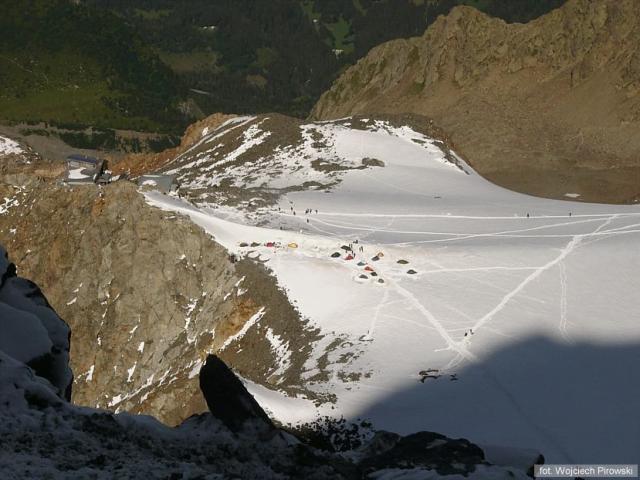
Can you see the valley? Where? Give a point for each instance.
(449, 241)
(422, 296)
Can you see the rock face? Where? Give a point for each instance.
(43, 436)
(147, 295)
(549, 107)
(228, 400)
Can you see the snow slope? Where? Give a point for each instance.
(522, 313)
(9, 147)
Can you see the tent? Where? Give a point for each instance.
(363, 276)
(244, 244)
(402, 262)
(293, 245)
(368, 268)
(349, 257)
(379, 254)
(375, 259)
(346, 248)
(271, 244)
(361, 264)
(336, 255)
(411, 272)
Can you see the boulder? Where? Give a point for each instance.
(423, 450)
(227, 398)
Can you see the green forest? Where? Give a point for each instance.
(155, 65)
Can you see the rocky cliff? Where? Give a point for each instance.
(147, 294)
(549, 107)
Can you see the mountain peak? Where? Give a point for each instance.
(531, 106)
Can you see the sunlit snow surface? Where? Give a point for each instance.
(9, 147)
(549, 304)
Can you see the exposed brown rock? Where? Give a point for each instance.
(548, 107)
(140, 163)
(147, 295)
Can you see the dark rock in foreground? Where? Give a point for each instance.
(227, 398)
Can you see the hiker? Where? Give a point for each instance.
(316, 210)
(527, 215)
(307, 220)
(569, 213)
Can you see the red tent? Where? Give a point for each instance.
(349, 257)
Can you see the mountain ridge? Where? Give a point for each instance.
(550, 107)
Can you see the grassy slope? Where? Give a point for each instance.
(127, 63)
(55, 68)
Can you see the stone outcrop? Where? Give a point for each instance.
(227, 398)
(147, 295)
(549, 107)
(428, 450)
